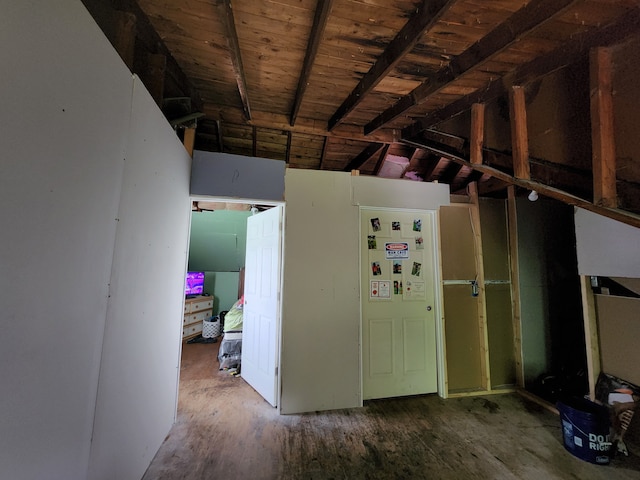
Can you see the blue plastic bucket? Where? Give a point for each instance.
(585, 430)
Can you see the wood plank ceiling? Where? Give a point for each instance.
(356, 84)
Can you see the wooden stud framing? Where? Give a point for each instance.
(474, 209)
(363, 156)
(381, 159)
(189, 139)
(125, 37)
(254, 143)
(512, 220)
(590, 333)
(288, 151)
(519, 136)
(621, 215)
(602, 130)
(324, 152)
(477, 133)
(220, 140)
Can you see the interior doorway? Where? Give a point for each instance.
(260, 339)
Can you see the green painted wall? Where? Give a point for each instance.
(218, 240)
(550, 299)
(217, 247)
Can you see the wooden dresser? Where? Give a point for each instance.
(196, 310)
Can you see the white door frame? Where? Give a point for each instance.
(438, 293)
(272, 203)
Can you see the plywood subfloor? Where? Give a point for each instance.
(225, 430)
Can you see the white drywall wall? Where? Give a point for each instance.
(139, 370)
(320, 357)
(65, 101)
(66, 153)
(606, 247)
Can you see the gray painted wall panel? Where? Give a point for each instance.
(225, 175)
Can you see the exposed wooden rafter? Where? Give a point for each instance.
(319, 21)
(363, 156)
(551, 192)
(425, 16)
(236, 55)
(381, 159)
(529, 17)
(528, 72)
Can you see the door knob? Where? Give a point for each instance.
(428, 308)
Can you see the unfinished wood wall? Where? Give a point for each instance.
(463, 335)
(495, 248)
(478, 329)
(619, 330)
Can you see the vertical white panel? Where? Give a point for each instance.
(596, 234)
(65, 103)
(321, 306)
(138, 377)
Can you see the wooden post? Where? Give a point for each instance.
(515, 285)
(189, 139)
(124, 40)
(154, 77)
(254, 138)
(477, 133)
(474, 208)
(602, 132)
(519, 136)
(590, 334)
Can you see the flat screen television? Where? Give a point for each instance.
(194, 284)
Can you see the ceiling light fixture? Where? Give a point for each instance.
(533, 196)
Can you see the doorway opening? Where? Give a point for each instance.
(224, 246)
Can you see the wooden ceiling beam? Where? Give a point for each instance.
(381, 158)
(551, 192)
(450, 172)
(602, 129)
(235, 116)
(324, 152)
(363, 156)
(432, 163)
(528, 18)
(424, 18)
(220, 139)
(529, 72)
(236, 56)
(323, 9)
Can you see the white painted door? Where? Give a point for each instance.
(261, 312)
(398, 303)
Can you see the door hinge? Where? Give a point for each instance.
(276, 371)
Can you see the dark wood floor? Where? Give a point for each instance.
(227, 431)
